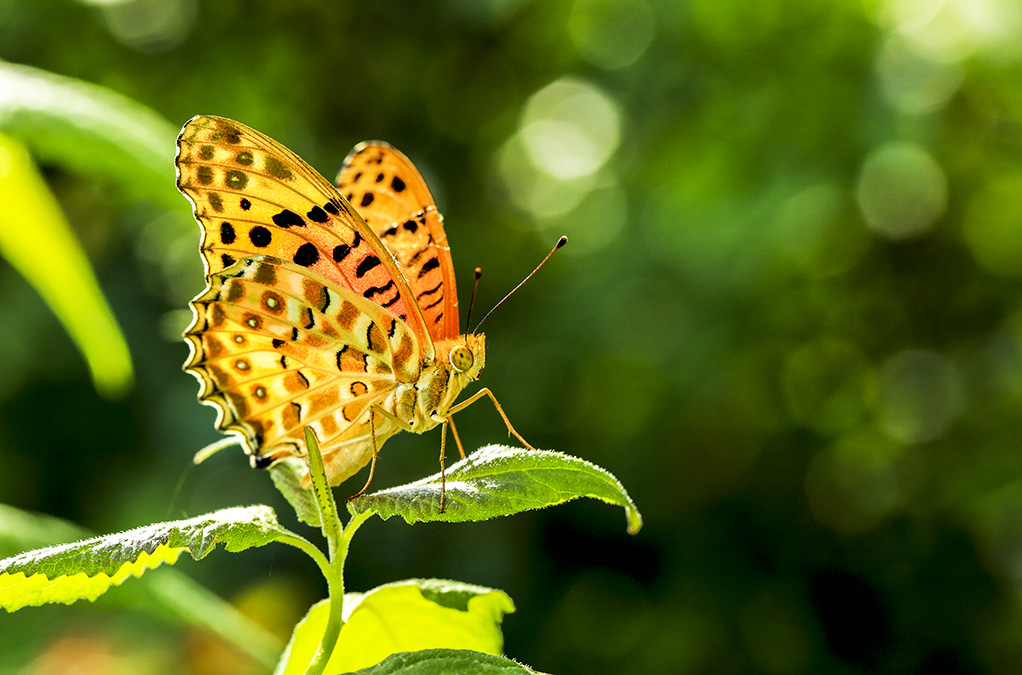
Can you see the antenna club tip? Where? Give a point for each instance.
(479, 272)
(562, 241)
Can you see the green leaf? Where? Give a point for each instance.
(169, 594)
(31, 220)
(92, 130)
(403, 616)
(498, 480)
(87, 569)
(444, 662)
(287, 477)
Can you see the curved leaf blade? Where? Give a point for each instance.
(91, 130)
(399, 617)
(171, 593)
(444, 661)
(498, 480)
(31, 219)
(287, 477)
(86, 569)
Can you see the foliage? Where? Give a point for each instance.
(345, 632)
(788, 318)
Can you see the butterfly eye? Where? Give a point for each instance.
(461, 358)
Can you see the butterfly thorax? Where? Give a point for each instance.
(457, 362)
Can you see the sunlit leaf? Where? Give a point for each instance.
(87, 569)
(444, 662)
(36, 239)
(403, 616)
(91, 130)
(168, 593)
(497, 480)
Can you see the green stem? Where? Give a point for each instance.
(329, 520)
(337, 546)
(333, 573)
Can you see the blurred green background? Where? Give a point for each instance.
(788, 318)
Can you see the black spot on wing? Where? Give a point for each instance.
(368, 263)
(260, 236)
(429, 266)
(367, 199)
(245, 204)
(277, 343)
(307, 255)
(227, 234)
(288, 218)
(431, 291)
(378, 290)
(397, 185)
(434, 303)
(317, 215)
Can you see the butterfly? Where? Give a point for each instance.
(327, 307)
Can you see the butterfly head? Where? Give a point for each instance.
(468, 355)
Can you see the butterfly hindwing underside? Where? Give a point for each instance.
(277, 349)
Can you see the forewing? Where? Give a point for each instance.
(390, 194)
(252, 196)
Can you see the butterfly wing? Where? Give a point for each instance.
(278, 347)
(392, 198)
(253, 196)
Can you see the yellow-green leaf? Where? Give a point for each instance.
(37, 240)
(87, 569)
(404, 616)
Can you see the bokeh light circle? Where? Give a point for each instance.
(901, 191)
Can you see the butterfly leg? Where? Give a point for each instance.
(454, 430)
(486, 392)
(443, 470)
(372, 465)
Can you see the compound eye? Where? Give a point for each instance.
(461, 358)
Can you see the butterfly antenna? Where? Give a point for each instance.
(472, 300)
(560, 242)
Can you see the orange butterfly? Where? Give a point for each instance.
(317, 314)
